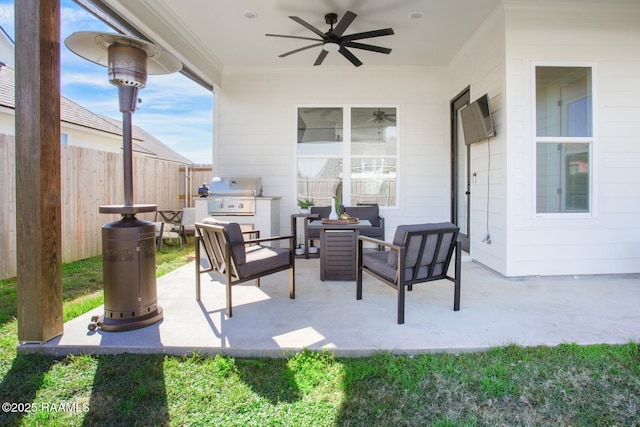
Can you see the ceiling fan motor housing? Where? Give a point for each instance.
(331, 18)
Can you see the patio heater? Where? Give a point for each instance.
(128, 245)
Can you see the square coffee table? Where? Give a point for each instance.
(338, 249)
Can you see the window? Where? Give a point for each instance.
(64, 138)
(564, 139)
(374, 147)
(347, 152)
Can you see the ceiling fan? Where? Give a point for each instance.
(334, 41)
(380, 117)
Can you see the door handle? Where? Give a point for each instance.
(467, 192)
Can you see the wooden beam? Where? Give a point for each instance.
(38, 206)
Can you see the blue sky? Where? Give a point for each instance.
(174, 109)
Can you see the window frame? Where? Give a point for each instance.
(347, 155)
(590, 140)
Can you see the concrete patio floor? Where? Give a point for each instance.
(495, 311)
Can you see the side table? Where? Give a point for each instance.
(294, 230)
(338, 249)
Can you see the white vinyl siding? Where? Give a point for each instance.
(576, 34)
(563, 138)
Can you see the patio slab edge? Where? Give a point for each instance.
(66, 350)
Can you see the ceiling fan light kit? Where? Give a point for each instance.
(331, 47)
(334, 40)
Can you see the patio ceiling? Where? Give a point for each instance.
(213, 36)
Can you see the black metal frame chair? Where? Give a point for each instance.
(236, 260)
(419, 253)
(368, 212)
(169, 229)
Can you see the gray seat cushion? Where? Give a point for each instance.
(234, 234)
(369, 213)
(377, 262)
(322, 212)
(414, 244)
(413, 247)
(375, 232)
(263, 258)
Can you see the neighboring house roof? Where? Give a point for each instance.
(7, 87)
(73, 113)
(144, 141)
(6, 48)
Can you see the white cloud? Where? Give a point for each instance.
(7, 20)
(86, 79)
(175, 110)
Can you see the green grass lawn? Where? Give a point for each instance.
(567, 385)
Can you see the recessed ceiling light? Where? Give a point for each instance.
(249, 14)
(416, 14)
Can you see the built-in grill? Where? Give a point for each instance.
(234, 195)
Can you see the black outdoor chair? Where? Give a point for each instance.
(169, 229)
(237, 260)
(370, 213)
(419, 253)
(311, 234)
(363, 212)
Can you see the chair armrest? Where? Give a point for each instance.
(269, 239)
(311, 218)
(248, 232)
(378, 242)
(400, 250)
(251, 234)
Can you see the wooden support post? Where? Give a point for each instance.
(38, 195)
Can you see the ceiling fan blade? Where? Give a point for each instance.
(344, 23)
(369, 47)
(350, 56)
(299, 50)
(308, 26)
(292, 37)
(323, 54)
(368, 34)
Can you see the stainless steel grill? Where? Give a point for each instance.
(234, 195)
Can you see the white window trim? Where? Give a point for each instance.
(346, 156)
(593, 140)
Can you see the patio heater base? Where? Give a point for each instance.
(129, 271)
(111, 325)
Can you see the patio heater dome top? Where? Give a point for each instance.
(99, 48)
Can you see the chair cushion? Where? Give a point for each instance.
(264, 258)
(377, 262)
(322, 212)
(414, 245)
(234, 234)
(376, 232)
(369, 213)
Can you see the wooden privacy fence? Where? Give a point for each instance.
(191, 178)
(90, 178)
